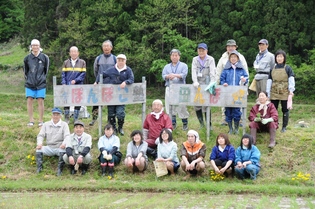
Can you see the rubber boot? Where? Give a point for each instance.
(67, 116)
(230, 127)
(72, 170)
(200, 118)
(120, 126)
(185, 124)
(94, 117)
(39, 161)
(174, 121)
(103, 168)
(84, 168)
(61, 164)
(236, 125)
(112, 121)
(76, 115)
(111, 171)
(253, 133)
(285, 121)
(152, 152)
(272, 133)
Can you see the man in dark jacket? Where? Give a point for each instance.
(36, 66)
(73, 73)
(120, 74)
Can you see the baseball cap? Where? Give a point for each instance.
(56, 110)
(121, 56)
(263, 41)
(202, 46)
(231, 42)
(78, 123)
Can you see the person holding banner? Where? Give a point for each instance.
(175, 73)
(202, 72)
(193, 153)
(233, 74)
(73, 73)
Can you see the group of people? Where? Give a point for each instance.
(274, 81)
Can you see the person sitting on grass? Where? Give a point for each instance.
(264, 117)
(222, 156)
(167, 151)
(109, 145)
(78, 146)
(193, 153)
(247, 159)
(136, 158)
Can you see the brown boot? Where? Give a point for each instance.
(253, 133)
(272, 133)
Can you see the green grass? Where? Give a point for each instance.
(11, 55)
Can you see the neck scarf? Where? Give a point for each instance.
(157, 115)
(263, 106)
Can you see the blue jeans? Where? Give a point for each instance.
(250, 171)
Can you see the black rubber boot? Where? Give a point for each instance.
(230, 127)
(120, 126)
(285, 121)
(72, 170)
(111, 171)
(39, 161)
(84, 168)
(112, 121)
(61, 164)
(103, 169)
(236, 125)
(200, 118)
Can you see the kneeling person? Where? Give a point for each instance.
(78, 148)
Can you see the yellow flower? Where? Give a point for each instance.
(3, 177)
(29, 156)
(33, 158)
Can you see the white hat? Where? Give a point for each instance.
(121, 56)
(195, 133)
(35, 42)
(157, 101)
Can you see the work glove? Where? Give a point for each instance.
(104, 154)
(196, 84)
(266, 120)
(257, 119)
(109, 157)
(211, 88)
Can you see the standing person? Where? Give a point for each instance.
(109, 145)
(222, 155)
(36, 66)
(153, 125)
(78, 146)
(73, 73)
(247, 159)
(55, 132)
(264, 63)
(136, 158)
(175, 73)
(233, 75)
(230, 46)
(101, 64)
(120, 74)
(264, 117)
(193, 153)
(281, 85)
(202, 72)
(167, 151)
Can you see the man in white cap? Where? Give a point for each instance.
(55, 132)
(119, 74)
(193, 153)
(36, 66)
(263, 64)
(230, 46)
(153, 125)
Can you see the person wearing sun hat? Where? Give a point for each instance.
(78, 146)
(123, 75)
(193, 153)
(263, 64)
(55, 132)
(202, 72)
(230, 46)
(36, 65)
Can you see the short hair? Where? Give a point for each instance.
(108, 41)
(264, 92)
(170, 138)
(108, 126)
(175, 51)
(225, 137)
(135, 132)
(249, 143)
(280, 51)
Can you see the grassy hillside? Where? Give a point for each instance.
(293, 153)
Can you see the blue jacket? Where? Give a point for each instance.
(242, 155)
(76, 72)
(227, 154)
(232, 77)
(113, 76)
